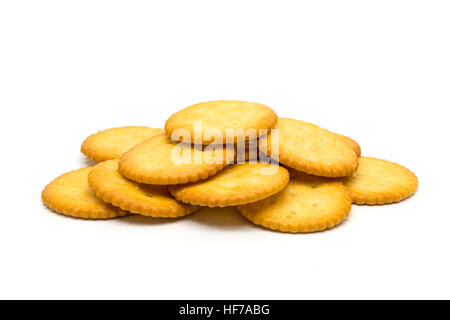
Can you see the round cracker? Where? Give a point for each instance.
(235, 185)
(311, 149)
(151, 162)
(223, 115)
(70, 195)
(380, 182)
(147, 200)
(112, 143)
(306, 204)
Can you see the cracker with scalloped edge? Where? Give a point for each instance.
(222, 116)
(307, 204)
(112, 143)
(147, 200)
(311, 149)
(161, 162)
(380, 182)
(235, 185)
(70, 195)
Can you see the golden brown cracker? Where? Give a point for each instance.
(147, 200)
(311, 149)
(237, 184)
(112, 143)
(70, 195)
(380, 182)
(153, 162)
(222, 116)
(306, 204)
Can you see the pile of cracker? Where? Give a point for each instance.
(309, 184)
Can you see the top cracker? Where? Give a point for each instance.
(229, 119)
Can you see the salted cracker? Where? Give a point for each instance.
(147, 200)
(307, 204)
(311, 149)
(236, 185)
(70, 195)
(159, 161)
(380, 182)
(112, 143)
(232, 119)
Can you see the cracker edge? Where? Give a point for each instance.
(351, 143)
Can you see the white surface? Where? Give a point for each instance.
(377, 71)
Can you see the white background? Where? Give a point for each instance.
(378, 71)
